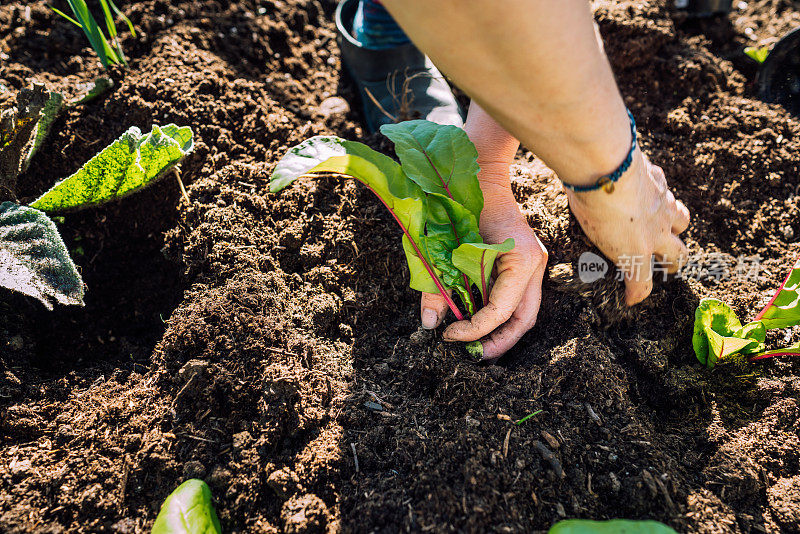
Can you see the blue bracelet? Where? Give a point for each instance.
(606, 183)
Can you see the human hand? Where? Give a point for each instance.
(640, 219)
(515, 297)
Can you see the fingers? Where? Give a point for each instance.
(503, 300)
(433, 308)
(673, 253)
(681, 221)
(523, 319)
(638, 279)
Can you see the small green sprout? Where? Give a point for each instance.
(537, 412)
(759, 55)
(108, 54)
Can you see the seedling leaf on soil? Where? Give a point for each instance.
(33, 258)
(783, 310)
(132, 162)
(612, 526)
(718, 333)
(24, 127)
(188, 510)
(17, 127)
(757, 54)
(434, 196)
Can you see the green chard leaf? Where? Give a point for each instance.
(188, 510)
(718, 333)
(612, 526)
(441, 159)
(449, 224)
(33, 258)
(383, 176)
(131, 163)
(783, 310)
(476, 260)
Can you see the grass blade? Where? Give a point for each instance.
(125, 19)
(59, 12)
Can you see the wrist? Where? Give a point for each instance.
(626, 189)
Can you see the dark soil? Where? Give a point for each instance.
(237, 338)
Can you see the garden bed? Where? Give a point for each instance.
(237, 338)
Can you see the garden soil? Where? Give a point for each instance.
(269, 344)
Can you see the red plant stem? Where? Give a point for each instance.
(452, 225)
(774, 298)
(765, 356)
(447, 298)
(483, 279)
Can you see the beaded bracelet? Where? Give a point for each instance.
(606, 183)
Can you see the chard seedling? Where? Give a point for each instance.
(719, 335)
(83, 19)
(188, 510)
(33, 257)
(433, 194)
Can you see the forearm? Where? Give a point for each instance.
(536, 67)
(496, 150)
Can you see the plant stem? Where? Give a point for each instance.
(774, 297)
(436, 281)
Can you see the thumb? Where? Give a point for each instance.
(433, 310)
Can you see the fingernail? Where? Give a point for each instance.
(429, 319)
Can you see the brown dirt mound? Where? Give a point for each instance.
(269, 343)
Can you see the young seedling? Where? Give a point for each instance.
(759, 55)
(108, 54)
(433, 195)
(719, 335)
(33, 258)
(188, 510)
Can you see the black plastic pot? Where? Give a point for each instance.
(778, 78)
(703, 8)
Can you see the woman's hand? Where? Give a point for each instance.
(639, 220)
(517, 291)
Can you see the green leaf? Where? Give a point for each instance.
(612, 526)
(784, 309)
(441, 159)
(475, 349)
(794, 350)
(757, 54)
(450, 224)
(718, 333)
(383, 176)
(132, 162)
(49, 114)
(33, 258)
(755, 331)
(188, 510)
(17, 127)
(476, 260)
